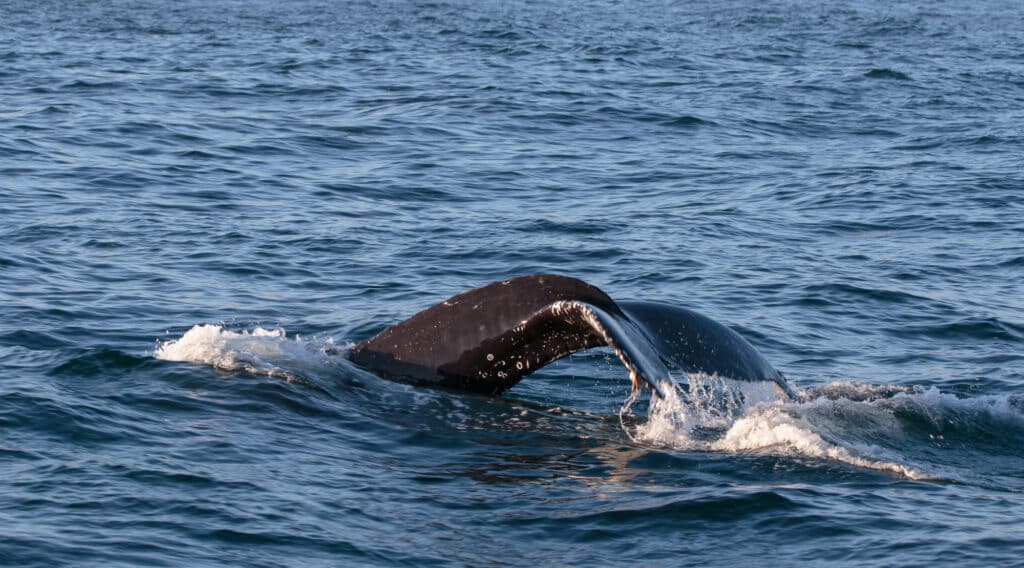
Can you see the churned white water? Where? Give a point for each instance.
(260, 351)
(856, 424)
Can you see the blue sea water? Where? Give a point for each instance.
(202, 203)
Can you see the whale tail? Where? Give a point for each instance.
(487, 339)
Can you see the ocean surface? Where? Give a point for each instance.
(203, 204)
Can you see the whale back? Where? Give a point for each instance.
(695, 343)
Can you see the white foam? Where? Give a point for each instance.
(712, 414)
(856, 424)
(855, 391)
(938, 405)
(773, 429)
(260, 351)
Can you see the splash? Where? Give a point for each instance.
(259, 351)
(894, 429)
(719, 415)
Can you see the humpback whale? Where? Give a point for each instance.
(487, 339)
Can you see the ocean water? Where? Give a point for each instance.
(202, 204)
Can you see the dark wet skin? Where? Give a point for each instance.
(487, 339)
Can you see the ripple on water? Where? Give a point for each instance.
(840, 184)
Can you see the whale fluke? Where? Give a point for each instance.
(487, 339)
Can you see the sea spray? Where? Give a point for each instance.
(259, 351)
(869, 426)
(719, 415)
